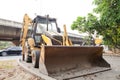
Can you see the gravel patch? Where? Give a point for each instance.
(10, 70)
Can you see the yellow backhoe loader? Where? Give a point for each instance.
(54, 52)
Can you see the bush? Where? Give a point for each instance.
(4, 44)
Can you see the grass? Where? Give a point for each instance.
(7, 64)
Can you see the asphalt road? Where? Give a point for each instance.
(113, 74)
(12, 57)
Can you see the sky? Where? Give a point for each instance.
(65, 11)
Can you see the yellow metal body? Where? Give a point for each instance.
(98, 41)
(26, 22)
(32, 44)
(46, 40)
(66, 40)
(65, 61)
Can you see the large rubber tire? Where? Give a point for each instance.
(35, 58)
(28, 56)
(4, 54)
(28, 59)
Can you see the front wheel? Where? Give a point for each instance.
(35, 58)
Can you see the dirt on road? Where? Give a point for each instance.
(113, 74)
(10, 70)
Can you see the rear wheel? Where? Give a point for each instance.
(28, 58)
(35, 58)
(4, 53)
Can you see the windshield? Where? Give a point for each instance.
(41, 27)
(52, 27)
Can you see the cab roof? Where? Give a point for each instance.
(43, 19)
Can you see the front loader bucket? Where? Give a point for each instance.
(66, 62)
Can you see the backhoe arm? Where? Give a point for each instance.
(66, 40)
(26, 22)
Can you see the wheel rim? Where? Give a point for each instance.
(4, 53)
(33, 59)
(25, 57)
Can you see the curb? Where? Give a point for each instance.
(33, 70)
(115, 55)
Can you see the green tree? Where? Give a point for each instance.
(109, 11)
(86, 24)
(108, 23)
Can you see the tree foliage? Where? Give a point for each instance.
(109, 11)
(108, 23)
(85, 24)
(4, 44)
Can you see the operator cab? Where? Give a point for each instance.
(41, 25)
